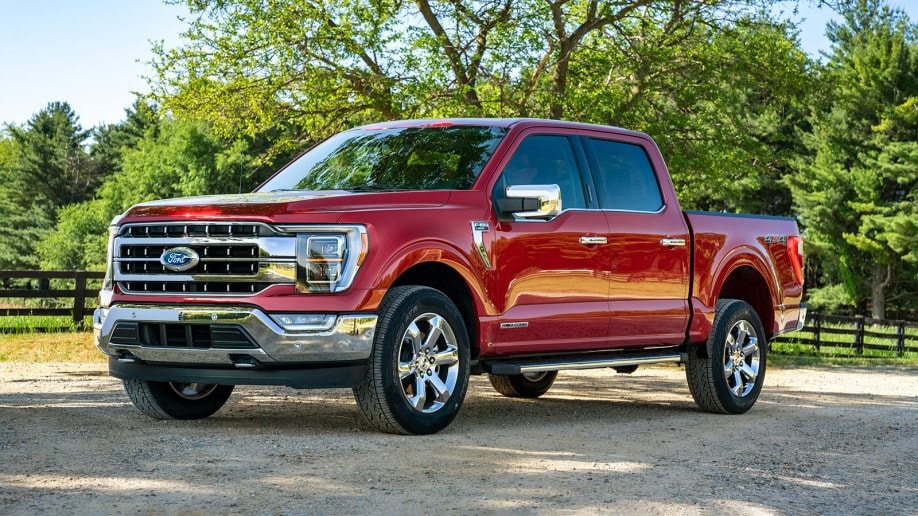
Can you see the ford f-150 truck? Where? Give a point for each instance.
(399, 258)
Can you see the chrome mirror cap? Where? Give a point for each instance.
(548, 198)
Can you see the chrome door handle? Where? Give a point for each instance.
(673, 242)
(593, 240)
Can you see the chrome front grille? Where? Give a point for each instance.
(233, 259)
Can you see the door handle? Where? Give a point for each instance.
(593, 240)
(673, 242)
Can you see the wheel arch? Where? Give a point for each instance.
(742, 275)
(747, 284)
(448, 272)
(447, 280)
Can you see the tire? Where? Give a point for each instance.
(526, 385)
(172, 400)
(419, 368)
(726, 377)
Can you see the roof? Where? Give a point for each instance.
(494, 122)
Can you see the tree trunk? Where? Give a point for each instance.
(879, 280)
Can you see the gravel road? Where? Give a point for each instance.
(833, 440)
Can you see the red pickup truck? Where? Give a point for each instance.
(399, 258)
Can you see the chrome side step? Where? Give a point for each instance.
(588, 361)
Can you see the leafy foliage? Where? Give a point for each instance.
(856, 194)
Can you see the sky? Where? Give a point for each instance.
(94, 53)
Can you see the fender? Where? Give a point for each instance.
(709, 285)
(440, 252)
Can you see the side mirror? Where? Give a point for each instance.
(532, 201)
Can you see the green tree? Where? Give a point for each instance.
(22, 224)
(723, 104)
(306, 69)
(856, 192)
(178, 158)
(53, 168)
(110, 141)
(43, 166)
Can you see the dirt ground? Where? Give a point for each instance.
(832, 440)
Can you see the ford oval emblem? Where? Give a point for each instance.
(179, 258)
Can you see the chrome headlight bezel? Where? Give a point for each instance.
(328, 257)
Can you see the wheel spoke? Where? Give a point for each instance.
(749, 373)
(739, 386)
(448, 356)
(436, 330)
(728, 369)
(752, 347)
(439, 388)
(413, 333)
(731, 341)
(404, 370)
(420, 394)
(741, 335)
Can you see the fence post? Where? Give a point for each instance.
(79, 298)
(859, 336)
(817, 324)
(900, 339)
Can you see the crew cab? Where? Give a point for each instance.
(399, 258)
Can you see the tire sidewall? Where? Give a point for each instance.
(735, 312)
(388, 341)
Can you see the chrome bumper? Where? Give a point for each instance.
(349, 338)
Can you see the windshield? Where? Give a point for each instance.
(408, 158)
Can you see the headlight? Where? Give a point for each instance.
(108, 283)
(327, 257)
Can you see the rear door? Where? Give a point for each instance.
(552, 275)
(649, 241)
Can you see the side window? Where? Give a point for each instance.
(545, 160)
(624, 177)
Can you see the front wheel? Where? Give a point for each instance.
(173, 400)
(526, 385)
(726, 376)
(419, 367)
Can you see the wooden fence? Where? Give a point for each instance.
(26, 285)
(883, 334)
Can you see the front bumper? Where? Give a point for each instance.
(350, 337)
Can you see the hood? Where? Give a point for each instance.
(284, 207)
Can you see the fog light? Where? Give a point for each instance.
(305, 322)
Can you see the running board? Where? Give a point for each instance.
(591, 361)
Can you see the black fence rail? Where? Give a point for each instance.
(857, 333)
(50, 291)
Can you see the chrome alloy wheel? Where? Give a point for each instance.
(741, 358)
(193, 391)
(535, 377)
(428, 363)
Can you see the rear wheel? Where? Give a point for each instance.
(173, 400)
(726, 376)
(419, 367)
(526, 385)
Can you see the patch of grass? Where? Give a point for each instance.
(792, 353)
(40, 323)
(50, 347)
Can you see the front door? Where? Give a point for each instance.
(552, 275)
